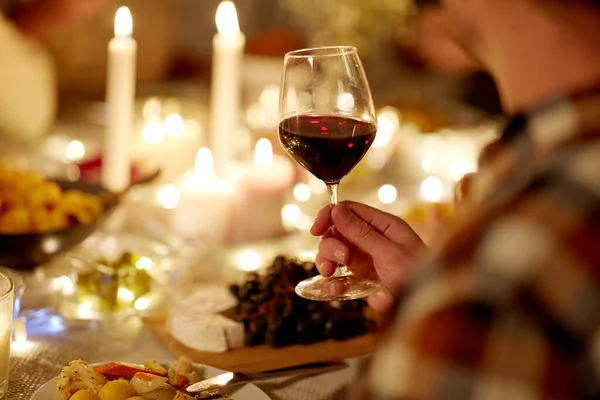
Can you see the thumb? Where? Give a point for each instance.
(357, 230)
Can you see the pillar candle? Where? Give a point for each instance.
(120, 97)
(228, 49)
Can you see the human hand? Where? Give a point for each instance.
(372, 243)
(436, 45)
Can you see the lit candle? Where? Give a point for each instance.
(120, 97)
(204, 202)
(262, 188)
(228, 49)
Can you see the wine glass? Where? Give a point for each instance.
(328, 123)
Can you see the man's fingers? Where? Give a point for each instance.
(359, 231)
(326, 267)
(381, 302)
(332, 249)
(388, 225)
(322, 222)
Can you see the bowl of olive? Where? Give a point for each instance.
(116, 273)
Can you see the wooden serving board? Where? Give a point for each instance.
(264, 358)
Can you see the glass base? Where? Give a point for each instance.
(344, 287)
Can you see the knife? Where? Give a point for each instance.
(229, 379)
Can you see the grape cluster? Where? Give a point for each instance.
(273, 314)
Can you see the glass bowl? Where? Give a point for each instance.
(119, 274)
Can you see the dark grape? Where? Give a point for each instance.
(256, 297)
(234, 290)
(246, 323)
(274, 321)
(253, 338)
(318, 318)
(253, 276)
(251, 287)
(307, 332)
(273, 314)
(248, 307)
(242, 292)
(279, 307)
(279, 261)
(260, 323)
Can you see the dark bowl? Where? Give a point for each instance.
(29, 250)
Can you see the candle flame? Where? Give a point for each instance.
(227, 19)
(263, 153)
(123, 22)
(205, 166)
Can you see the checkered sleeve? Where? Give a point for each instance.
(469, 350)
(510, 308)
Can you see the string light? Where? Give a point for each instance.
(432, 189)
(387, 194)
(302, 192)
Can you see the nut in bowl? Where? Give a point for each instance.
(40, 217)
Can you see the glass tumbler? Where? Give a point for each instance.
(6, 316)
(18, 290)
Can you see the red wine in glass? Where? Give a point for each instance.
(328, 146)
(327, 124)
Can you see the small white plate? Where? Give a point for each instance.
(246, 392)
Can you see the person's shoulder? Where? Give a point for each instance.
(545, 238)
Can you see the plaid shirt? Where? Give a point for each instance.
(508, 307)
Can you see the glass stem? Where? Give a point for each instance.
(332, 191)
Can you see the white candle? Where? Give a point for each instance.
(262, 187)
(204, 202)
(120, 97)
(228, 51)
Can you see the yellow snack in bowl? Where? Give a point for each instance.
(31, 203)
(41, 219)
(16, 220)
(59, 219)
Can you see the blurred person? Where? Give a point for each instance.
(433, 47)
(507, 306)
(47, 46)
(27, 76)
(81, 49)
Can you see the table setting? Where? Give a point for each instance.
(165, 254)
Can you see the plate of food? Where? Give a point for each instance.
(42, 217)
(153, 380)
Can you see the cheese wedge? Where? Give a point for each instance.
(206, 332)
(209, 299)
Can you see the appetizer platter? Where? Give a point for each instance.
(153, 380)
(260, 324)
